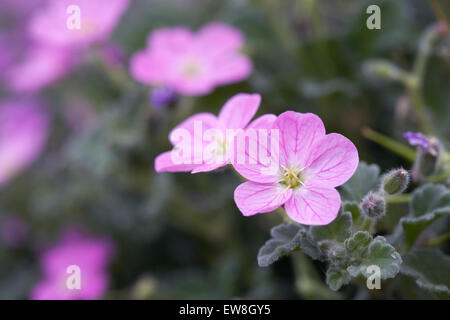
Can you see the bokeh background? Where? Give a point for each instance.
(180, 236)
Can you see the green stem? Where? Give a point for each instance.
(438, 240)
(418, 107)
(307, 280)
(401, 198)
(441, 177)
(390, 144)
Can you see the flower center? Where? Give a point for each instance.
(292, 177)
(221, 146)
(191, 69)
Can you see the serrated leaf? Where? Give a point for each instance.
(358, 242)
(379, 253)
(337, 277)
(365, 179)
(428, 204)
(431, 270)
(338, 230)
(285, 239)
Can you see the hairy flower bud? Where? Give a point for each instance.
(373, 205)
(395, 182)
(426, 162)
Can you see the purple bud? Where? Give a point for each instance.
(417, 139)
(373, 205)
(161, 97)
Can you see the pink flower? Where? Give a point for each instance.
(91, 255)
(308, 167)
(192, 64)
(206, 141)
(98, 18)
(23, 133)
(42, 66)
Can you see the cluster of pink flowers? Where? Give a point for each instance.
(192, 63)
(51, 49)
(89, 255)
(305, 164)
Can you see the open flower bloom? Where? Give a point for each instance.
(192, 64)
(305, 168)
(41, 66)
(204, 142)
(56, 23)
(23, 133)
(89, 258)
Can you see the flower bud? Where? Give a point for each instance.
(426, 162)
(161, 97)
(337, 254)
(427, 158)
(373, 205)
(395, 182)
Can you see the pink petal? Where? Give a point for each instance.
(148, 67)
(231, 69)
(196, 126)
(164, 163)
(171, 41)
(252, 198)
(313, 205)
(209, 167)
(298, 133)
(256, 159)
(333, 161)
(263, 122)
(239, 110)
(218, 38)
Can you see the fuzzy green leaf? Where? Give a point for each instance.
(285, 239)
(428, 204)
(358, 242)
(379, 253)
(431, 270)
(365, 179)
(338, 230)
(337, 277)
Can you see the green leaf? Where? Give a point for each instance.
(285, 239)
(338, 230)
(428, 204)
(431, 270)
(358, 242)
(353, 208)
(365, 179)
(381, 254)
(337, 277)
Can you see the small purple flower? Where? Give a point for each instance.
(161, 97)
(418, 139)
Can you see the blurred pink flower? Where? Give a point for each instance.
(41, 66)
(91, 255)
(309, 166)
(98, 19)
(192, 64)
(23, 133)
(204, 139)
